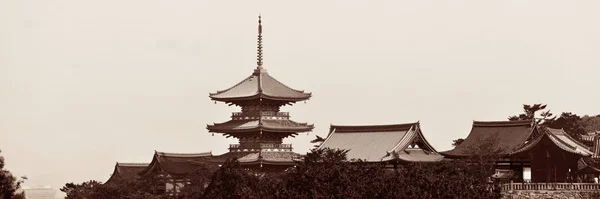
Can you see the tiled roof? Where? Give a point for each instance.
(278, 125)
(560, 139)
(418, 155)
(260, 85)
(273, 157)
(176, 163)
(127, 170)
(375, 143)
(590, 136)
(510, 134)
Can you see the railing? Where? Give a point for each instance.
(262, 146)
(242, 115)
(275, 146)
(550, 186)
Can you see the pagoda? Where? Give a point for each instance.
(260, 127)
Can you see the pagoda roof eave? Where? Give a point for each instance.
(259, 96)
(260, 85)
(265, 125)
(263, 129)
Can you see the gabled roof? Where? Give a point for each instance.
(176, 164)
(260, 85)
(378, 143)
(510, 135)
(560, 139)
(127, 171)
(275, 125)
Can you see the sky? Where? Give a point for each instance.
(84, 84)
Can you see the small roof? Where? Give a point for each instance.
(275, 125)
(127, 170)
(378, 143)
(511, 135)
(590, 136)
(584, 167)
(260, 85)
(560, 139)
(176, 163)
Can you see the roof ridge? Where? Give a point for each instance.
(376, 125)
(184, 154)
(132, 164)
(355, 128)
(502, 123)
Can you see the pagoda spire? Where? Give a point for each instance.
(259, 50)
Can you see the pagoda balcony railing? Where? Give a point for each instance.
(260, 147)
(550, 186)
(261, 114)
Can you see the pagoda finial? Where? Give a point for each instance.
(259, 52)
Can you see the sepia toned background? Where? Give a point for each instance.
(84, 84)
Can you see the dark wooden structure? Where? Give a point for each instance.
(126, 171)
(382, 143)
(534, 153)
(169, 171)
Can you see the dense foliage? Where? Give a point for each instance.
(9, 185)
(571, 123)
(323, 173)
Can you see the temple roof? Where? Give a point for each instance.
(176, 163)
(260, 85)
(510, 136)
(277, 125)
(590, 136)
(560, 139)
(266, 157)
(377, 143)
(127, 170)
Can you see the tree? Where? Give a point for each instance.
(485, 154)
(590, 123)
(570, 123)
(457, 142)
(530, 113)
(84, 190)
(199, 180)
(232, 181)
(318, 140)
(9, 183)
(326, 173)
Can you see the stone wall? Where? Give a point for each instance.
(550, 194)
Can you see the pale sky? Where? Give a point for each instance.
(84, 84)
